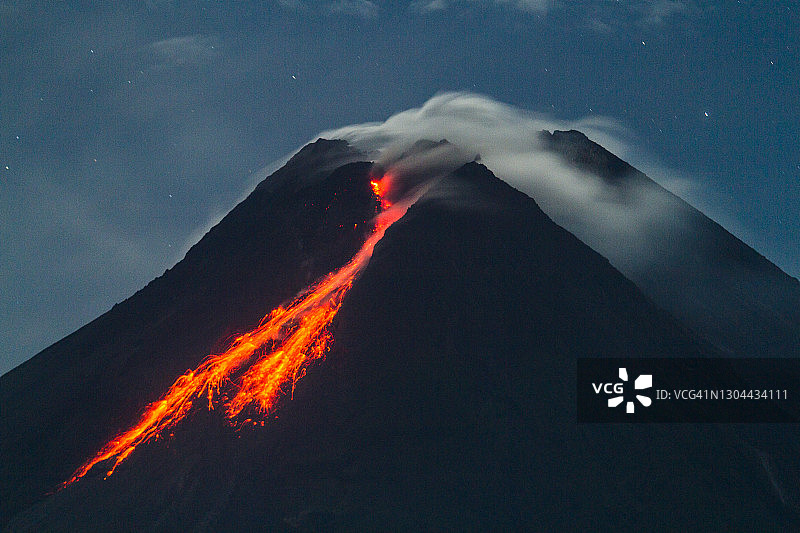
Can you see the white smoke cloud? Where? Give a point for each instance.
(475, 122)
(623, 225)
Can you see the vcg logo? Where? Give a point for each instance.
(644, 381)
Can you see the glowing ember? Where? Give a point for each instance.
(273, 356)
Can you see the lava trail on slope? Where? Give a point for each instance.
(262, 362)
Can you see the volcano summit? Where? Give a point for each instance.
(438, 385)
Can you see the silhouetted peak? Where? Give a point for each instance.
(319, 149)
(323, 153)
(423, 145)
(311, 163)
(583, 153)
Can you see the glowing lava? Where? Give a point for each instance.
(269, 358)
(379, 188)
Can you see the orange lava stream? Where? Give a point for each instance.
(289, 338)
(262, 382)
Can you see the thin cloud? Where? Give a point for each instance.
(650, 14)
(660, 12)
(526, 6)
(291, 5)
(597, 25)
(531, 6)
(428, 6)
(601, 17)
(186, 50)
(359, 8)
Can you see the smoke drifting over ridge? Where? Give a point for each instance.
(509, 142)
(684, 261)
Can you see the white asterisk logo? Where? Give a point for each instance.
(644, 381)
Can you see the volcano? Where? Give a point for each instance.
(443, 396)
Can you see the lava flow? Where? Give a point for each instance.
(287, 339)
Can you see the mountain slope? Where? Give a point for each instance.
(688, 264)
(66, 402)
(447, 401)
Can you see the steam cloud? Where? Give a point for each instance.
(623, 227)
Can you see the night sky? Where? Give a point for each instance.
(127, 128)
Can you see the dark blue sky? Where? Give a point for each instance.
(127, 127)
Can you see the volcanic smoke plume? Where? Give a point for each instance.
(262, 363)
(729, 293)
